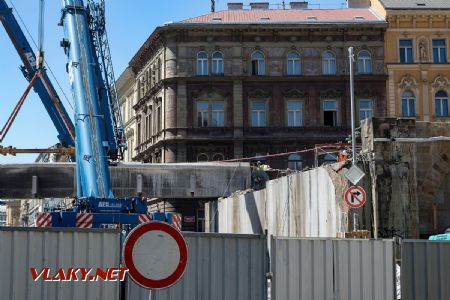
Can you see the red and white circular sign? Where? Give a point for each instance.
(355, 196)
(156, 255)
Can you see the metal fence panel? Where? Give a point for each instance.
(323, 269)
(23, 248)
(220, 267)
(425, 270)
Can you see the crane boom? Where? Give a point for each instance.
(87, 89)
(43, 87)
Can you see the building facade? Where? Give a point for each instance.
(417, 58)
(251, 82)
(125, 88)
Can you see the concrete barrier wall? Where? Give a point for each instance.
(220, 267)
(325, 269)
(24, 248)
(299, 205)
(425, 270)
(181, 180)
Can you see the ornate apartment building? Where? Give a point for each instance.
(250, 82)
(417, 57)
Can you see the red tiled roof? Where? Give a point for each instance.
(288, 16)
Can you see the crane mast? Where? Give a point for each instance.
(92, 144)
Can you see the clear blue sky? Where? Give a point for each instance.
(129, 23)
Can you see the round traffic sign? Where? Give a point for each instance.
(355, 196)
(155, 254)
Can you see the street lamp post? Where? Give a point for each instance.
(352, 104)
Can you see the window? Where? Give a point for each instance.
(295, 162)
(218, 157)
(330, 113)
(258, 63)
(294, 113)
(202, 157)
(202, 63)
(408, 104)
(364, 62)
(202, 114)
(439, 51)
(213, 109)
(217, 114)
(441, 104)
(258, 113)
(406, 52)
(365, 109)
(328, 159)
(329, 63)
(293, 63)
(217, 63)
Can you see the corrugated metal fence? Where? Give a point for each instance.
(220, 267)
(23, 248)
(425, 270)
(332, 269)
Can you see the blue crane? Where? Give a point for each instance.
(42, 85)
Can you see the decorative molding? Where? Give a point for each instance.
(408, 82)
(294, 93)
(209, 92)
(259, 93)
(331, 93)
(441, 83)
(366, 93)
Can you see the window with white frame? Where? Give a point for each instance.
(294, 113)
(295, 162)
(330, 109)
(258, 63)
(406, 51)
(328, 63)
(210, 113)
(293, 63)
(408, 104)
(202, 63)
(258, 113)
(202, 114)
(365, 109)
(364, 62)
(439, 51)
(217, 63)
(441, 104)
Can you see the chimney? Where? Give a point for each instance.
(299, 5)
(358, 3)
(259, 5)
(235, 6)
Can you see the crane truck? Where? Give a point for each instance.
(97, 132)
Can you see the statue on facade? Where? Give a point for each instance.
(423, 50)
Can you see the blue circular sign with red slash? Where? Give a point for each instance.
(355, 196)
(155, 254)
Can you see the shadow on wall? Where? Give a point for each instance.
(251, 208)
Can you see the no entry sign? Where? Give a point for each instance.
(355, 196)
(155, 254)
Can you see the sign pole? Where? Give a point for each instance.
(352, 104)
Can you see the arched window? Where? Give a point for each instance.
(295, 162)
(293, 63)
(408, 104)
(328, 63)
(202, 63)
(364, 62)
(202, 157)
(218, 157)
(217, 63)
(258, 63)
(441, 104)
(329, 159)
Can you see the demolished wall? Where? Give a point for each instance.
(411, 163)
(299, 205)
